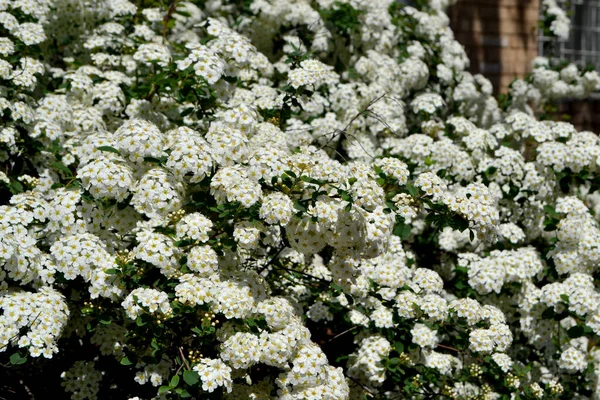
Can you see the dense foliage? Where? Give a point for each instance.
(289, 199)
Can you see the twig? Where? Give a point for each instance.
(184, 360)
(343, 333)
(448, 347)
(167, 18)
(361, 385)
(271, 260)
(303, 273)
(344, 132)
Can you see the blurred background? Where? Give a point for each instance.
(503, 37)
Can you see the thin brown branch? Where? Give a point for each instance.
(184, 360)
(361, 385)
(167, 18)
(343, 333)
(449, 348)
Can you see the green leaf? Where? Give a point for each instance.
(337, 287)
(564, 298)
(86, 310)
(174, 381)
(402, 230)
(197, 331)
(191, 377)
(16, 187)
(111, 271)
(308, 179)
(164, 390)
(299, 206)
(551, 211)
(412, 190)
(155, 160)
(399, 346)
(126, 361)
(459, 223)
(186, 112)
(183, 13)
(184, 242)
(109, 149)
(105, 321)
(576, 331)
(17, 359)
(459, 269)
(60, 166)
(346, 196)
(548, 313)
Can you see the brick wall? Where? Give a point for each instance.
(500, 37)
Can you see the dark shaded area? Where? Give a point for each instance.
(584, 114)
(40, 378)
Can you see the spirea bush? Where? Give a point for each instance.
(555, 21)
(254, 199)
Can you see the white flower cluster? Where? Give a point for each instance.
(366, 362)
(190, 155)
(153, 373)
(157, 193)
(213, 373)
(312, 73)
(427, 103)
(146, 300)
(578, 233)
(110, 338)
(560, 23)
(276, 208)
(205, 62)
(107, 177)
(82, 380)
(194, 226)
(85, 255)
(33, 321)
(549, 82)
(476, 204)
(251, 191)
(489, 274)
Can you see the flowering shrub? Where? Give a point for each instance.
(555, 22)
(548, 83)
(286, 199)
